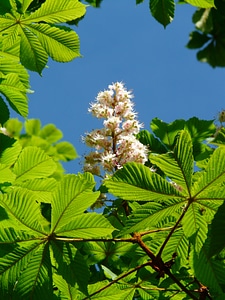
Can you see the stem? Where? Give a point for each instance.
(173, 229)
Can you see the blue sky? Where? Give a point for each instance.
(122, 42)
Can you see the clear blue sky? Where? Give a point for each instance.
(122, 42)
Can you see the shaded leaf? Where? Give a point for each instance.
(162, 11)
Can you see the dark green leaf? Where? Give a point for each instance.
(162, 11)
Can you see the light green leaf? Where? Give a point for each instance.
(135, 182)
(178, 165)
(201, 3)
(33, 163)
(73, 196)
(25, 5)
(51, 133)
(6, 175)
(21, 205)
(61, 43)
(15, 92)
(89, 225)
(162, 11)
(43, 188)
(32, 126)
(11, 152)
(178, 243)
(66, 151)
(57, 12)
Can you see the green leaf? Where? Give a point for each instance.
(136, 182)
(89, 225)
(22, 206)
(162, 11)
(201, 3)
(15, 92)
(36, 279)
(43, 188)
(106, 294)
(72, 197)
(149, 215)
(32, 54)
(32, 126)
(209, 271)
(11, 265)
(51, 133)
(6, 175)
(71, 266)
(61, 43)
(66, 151)
(57, 12)
(178, 243)
(38, 36)
(197, 40)
(167, 132)
(10, 151)
(178, 165)
(195, 226)
(148, 139)
(33, 163)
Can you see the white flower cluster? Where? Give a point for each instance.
(115, 144)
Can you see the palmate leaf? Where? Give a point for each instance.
(178, 164)
(38, 40)
(136, 182)
(33, 163)
(162, 11)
